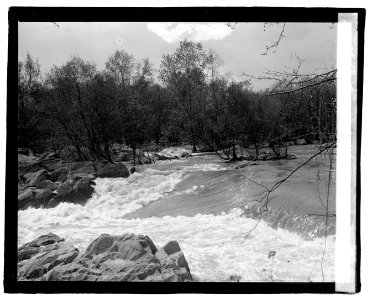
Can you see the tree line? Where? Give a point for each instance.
(78, 106)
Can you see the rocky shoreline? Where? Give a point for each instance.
(48, 180)
(126, 257)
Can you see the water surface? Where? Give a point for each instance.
(198, 201)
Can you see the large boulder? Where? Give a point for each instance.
(41, 197)
(76, 189)
(86, 167)
(43, 254)
(27, 163)
(47, 184)
(25, 197)
(30, 249)
(34, 178)
(51, 163)
(127, 257)
(34, 197)
(111, 170)
(59, 174)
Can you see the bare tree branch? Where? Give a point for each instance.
(274, 45)
(301, 88)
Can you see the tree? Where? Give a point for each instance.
(30, 92)
(185, 73)
(139, 117)
(83, 102)
(122, 65)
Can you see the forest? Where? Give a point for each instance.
(188, 100)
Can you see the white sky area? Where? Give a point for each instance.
(241, 48)
(174, 32)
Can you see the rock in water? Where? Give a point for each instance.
(25, 197)
(41, 197)
(165, 156)
(76, 189)
(86, 167)
(127, 257)
(113, 171)
(300, 142)
(242, 166)
(185, 154)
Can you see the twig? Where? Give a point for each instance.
(320, 215)
(301, 88)
(275, 44)
(260, 184)
(275, 186)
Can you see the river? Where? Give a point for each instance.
(199, 201)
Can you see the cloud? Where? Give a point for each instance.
(174, 32)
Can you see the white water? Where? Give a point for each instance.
(216, 247)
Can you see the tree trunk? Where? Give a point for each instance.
(256, 148)
(234, 153)
(134, 154)
(193, 143)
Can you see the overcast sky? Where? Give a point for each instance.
(241, 48)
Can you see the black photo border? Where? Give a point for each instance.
(157, 14)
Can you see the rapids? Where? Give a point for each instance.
(199, 202)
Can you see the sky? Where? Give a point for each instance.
(241, 48)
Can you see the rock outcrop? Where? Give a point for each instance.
(34, 178)
(48, 180)
(165, 156)
(77, 188)
(270, 156)
(42, 255)
(127, 257)
(300, 142)
(113, 171)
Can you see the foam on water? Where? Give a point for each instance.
(216, 246)
(120, 196)
(178, 151)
